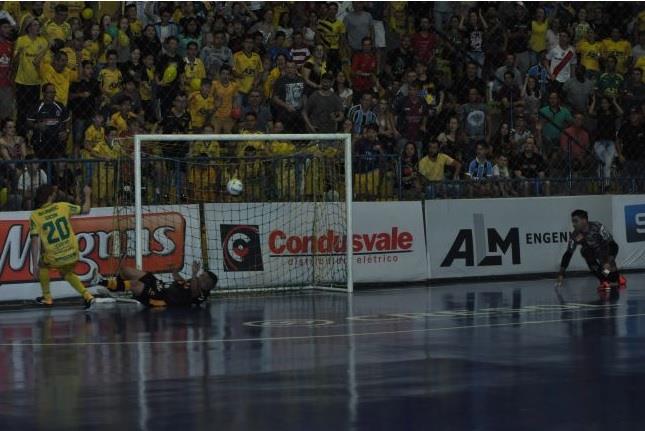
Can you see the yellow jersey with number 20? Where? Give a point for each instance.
(52, 223)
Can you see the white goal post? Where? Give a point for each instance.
(343, 156)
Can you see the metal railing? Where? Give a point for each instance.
(271, 179)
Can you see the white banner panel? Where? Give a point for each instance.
(274, 242)
(629, 230)
(488, 237)
(172, 241)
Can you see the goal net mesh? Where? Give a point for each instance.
(285, 230)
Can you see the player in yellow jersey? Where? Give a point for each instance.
(53, 242)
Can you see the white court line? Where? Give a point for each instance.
(313, 337)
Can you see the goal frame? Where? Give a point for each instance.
(346, 138)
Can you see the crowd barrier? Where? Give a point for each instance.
(394, 242)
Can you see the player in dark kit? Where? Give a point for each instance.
(598, 248)
(152, 292)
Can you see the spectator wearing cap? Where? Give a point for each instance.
(6, 65)
(27, 79)
(324, 109)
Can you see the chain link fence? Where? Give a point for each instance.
(455, 99)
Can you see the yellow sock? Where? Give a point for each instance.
(73, 279)
(118, 284)
(43, 277)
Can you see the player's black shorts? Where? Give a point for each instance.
(151, 289)
(590, 253)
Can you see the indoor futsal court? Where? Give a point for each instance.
(516, 355)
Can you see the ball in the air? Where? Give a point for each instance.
(234, 187)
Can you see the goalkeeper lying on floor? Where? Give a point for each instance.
(152, 292)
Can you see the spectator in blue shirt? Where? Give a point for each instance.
(480, 170)
(540, 72)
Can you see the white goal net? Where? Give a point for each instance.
(288, 228)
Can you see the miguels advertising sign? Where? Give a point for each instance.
(102, 238)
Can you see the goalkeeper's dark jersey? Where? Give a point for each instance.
(174, 294)
(596, 239)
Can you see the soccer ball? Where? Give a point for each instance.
(235, 187)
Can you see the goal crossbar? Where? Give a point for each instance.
(346, 138)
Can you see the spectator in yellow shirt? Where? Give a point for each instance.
(110, 77)
(433, 167)
(194, 70)
(123, 116)
(619, 48)
(590, 51)
(59, 75)
(247, 66)
(225, 92)
(201, 105)
(27, 79)
(58, 27)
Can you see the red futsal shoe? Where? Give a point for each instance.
(622, 281)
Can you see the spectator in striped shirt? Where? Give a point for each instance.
(299, 51)
(362, 115)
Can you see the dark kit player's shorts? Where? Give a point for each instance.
(589, 253)
(155, 294)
